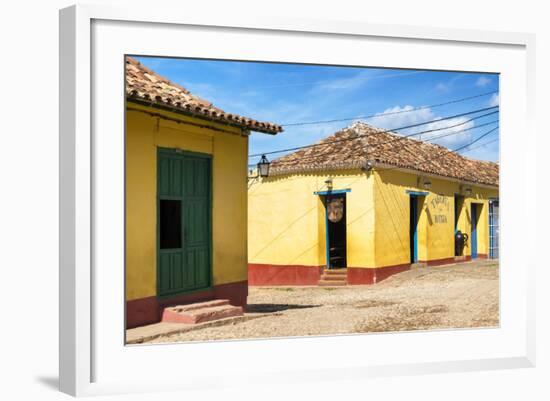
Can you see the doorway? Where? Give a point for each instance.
(413, 229)
(493, 229)
(335, 206)
(183, 222)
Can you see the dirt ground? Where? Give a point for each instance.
(454, 296)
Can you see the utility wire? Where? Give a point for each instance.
(481, 145)
(321, 155)
(446, 152)
(476, 140)
(389, 131)
(364, 117)
(457, 132)
(457, 150)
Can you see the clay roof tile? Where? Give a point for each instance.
(145, 84)
(360, 142)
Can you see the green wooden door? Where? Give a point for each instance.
(184, 222)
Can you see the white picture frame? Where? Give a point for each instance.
(85, 352)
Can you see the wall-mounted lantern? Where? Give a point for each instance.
(426, 183)
(369, 165)
(263, 167)
(328, 183)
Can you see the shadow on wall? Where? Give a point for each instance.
(302, 216)
(396, 210)
(428, 212)
(268, 244)
(297, 257)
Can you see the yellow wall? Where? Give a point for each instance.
(144, 134)
(436, 220)
(287, 220)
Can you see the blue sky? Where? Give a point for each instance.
(295, 93)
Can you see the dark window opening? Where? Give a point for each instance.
(170, 224)
(413, 229)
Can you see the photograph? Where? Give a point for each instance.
(276, 200)
(285, 200)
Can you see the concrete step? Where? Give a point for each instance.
(339, 275)
(335, 272)
(419, 265)
(199, 305)
(334, 277)
(201, 312)
(332, 283)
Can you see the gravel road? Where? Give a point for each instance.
(453, 296)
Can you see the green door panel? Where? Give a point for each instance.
(185, 178)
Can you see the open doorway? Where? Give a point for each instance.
(459, 237)
(336, 231)
(414, 228)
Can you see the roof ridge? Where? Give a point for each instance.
(400, 137)
(413, 154)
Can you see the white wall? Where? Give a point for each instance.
(28, 201)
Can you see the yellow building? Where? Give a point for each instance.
(186, 204)
(371, 202)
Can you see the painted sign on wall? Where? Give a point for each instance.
(440, 208)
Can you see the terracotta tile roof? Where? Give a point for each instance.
(353, 146)
(145, 85)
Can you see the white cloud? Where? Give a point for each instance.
(494, 101)
(449, 84)
(448, 131)
(483, 81)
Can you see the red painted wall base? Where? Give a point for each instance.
(264, 274)
(143, 311)
(358, 275)
(444, 261)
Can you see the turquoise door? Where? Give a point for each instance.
(473, 236)
(414, 228)
(184, 222)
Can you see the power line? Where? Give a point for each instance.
(365, 117)
(452, 150)
(449, 151)
(482, 144)
(476, 140)
(405, 136)
(459, 132)
(389, 131)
